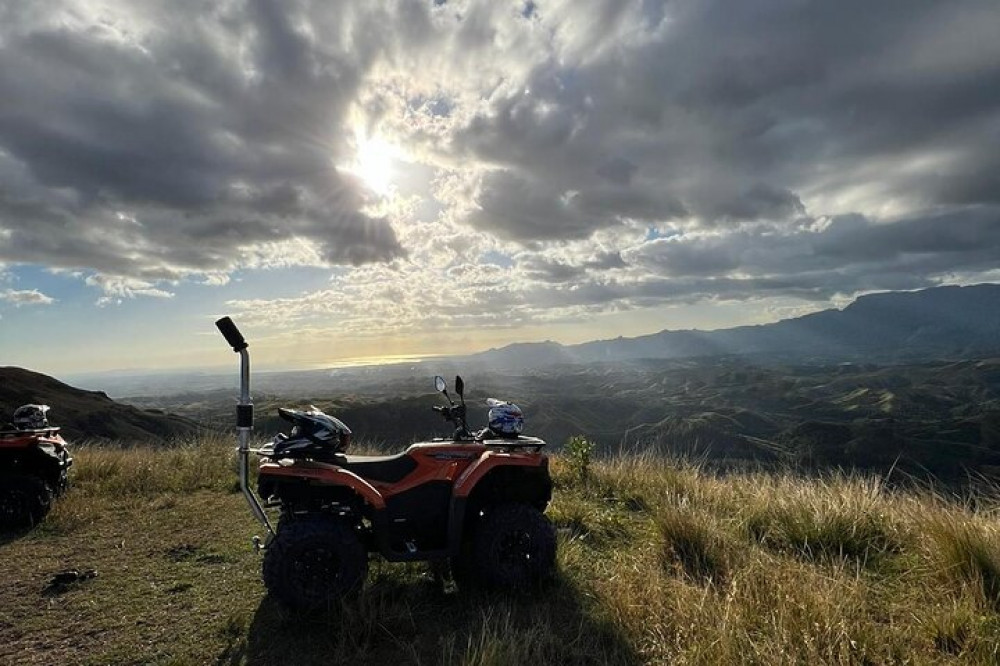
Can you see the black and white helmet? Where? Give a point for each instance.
(319, 430)
(505, 418)
(31, 417)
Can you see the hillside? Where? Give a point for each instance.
(87, 414)
(658, 563)
(942, 322)
(940, 417)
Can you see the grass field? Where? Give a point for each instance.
(658, 563)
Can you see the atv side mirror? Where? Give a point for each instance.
(459, 387)
(439, 384)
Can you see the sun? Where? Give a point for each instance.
(375, 163)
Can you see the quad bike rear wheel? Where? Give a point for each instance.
(24, 501)
(313, 563)
(514, 547)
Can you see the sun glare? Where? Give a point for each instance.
(374, 163)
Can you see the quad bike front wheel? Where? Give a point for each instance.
(514, 547)
(24, 501)
(313, 563)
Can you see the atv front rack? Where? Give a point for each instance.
(522, 443)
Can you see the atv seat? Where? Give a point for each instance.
(386, 469)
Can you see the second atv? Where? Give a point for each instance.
(34, 461)
(475, 501)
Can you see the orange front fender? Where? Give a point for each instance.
(488, 461)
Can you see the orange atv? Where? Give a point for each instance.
(474, 501)
(33, 469)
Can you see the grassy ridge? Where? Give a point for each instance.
(658, 563)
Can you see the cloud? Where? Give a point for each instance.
(153, 146)
(818, 260)
(25, 297)
(616, 155)
(117, 288)
(744, 113)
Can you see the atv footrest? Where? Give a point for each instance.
(416, 555)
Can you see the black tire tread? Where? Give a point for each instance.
(33, 496)
(281, 562)
(483, 564)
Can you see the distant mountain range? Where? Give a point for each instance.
(942, 322)
(87, 414)
(905, 381)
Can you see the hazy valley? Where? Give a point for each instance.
(854, 397)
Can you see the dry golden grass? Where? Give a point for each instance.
(659, 563)
(777, 569)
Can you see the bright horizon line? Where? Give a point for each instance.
(375, 360)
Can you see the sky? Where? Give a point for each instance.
(365, 180)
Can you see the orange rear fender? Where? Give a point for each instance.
(17, 442)
(20, 439)
(327, 475)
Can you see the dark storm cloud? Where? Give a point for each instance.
(529, 207)
(537, 267)
(176, 151)
(816, 261)
(759, 202)
(848, 247)
(617, 170)
(729, 111)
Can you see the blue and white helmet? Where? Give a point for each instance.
(506, 419)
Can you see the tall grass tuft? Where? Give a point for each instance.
(693, 543)
(832, 519)
(968, 551)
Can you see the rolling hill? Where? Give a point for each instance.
(943, 322)
(87, 414)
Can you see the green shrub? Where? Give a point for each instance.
(580, 451)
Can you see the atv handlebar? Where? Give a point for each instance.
(449, 413)
(231, 334)
(455, 414)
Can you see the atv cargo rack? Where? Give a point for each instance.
(522, 443)
(8, 434)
